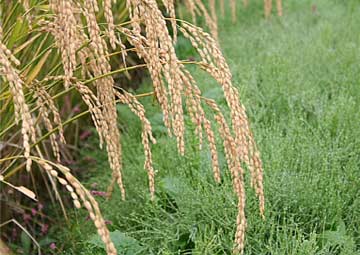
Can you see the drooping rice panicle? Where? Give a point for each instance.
(147, 137)
(81, 196)
(22, 112)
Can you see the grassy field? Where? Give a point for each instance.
(299, 78)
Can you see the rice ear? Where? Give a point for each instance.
(137, 108)
(22, 111)
(81, 197)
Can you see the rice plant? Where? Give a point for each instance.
(198, 8)
(52, 48)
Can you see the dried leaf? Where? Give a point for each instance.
(36, 70)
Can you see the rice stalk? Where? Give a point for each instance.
(233, 10)
(268, 8)
(222, 7)
(245, 3)
(279, 7)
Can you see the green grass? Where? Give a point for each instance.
(299, 78)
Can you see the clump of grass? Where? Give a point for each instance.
(74, 30)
